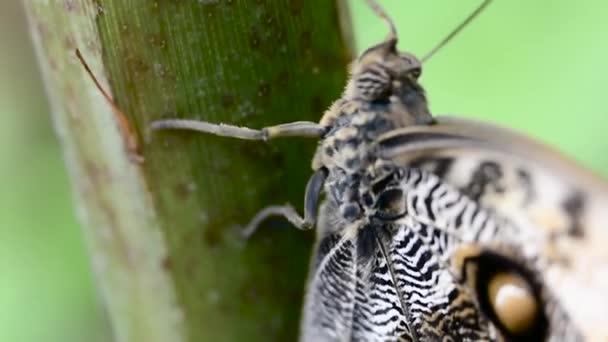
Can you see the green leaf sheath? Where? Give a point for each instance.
(164, 234)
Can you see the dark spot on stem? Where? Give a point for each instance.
(69, 42)
(212, 236)
(137, 65)
(282, 79)
(71, 6)
(263, 89)
(157, 40)
(183, 191)
(269, 155)
(306, 42)
(167, 263)
(295, 6)
(228, 100)
(254, 39)
(317, 104)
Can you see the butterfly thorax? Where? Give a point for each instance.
(346, 151)
(382, 95)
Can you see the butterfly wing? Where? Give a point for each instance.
(439, 220)
(382, 282)
(531, 185)
(350, 296)
(393, 280)
(506, 171)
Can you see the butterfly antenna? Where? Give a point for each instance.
(457, 30)
(375, 6)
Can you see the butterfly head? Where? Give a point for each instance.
(383, 75)
(381, 71)
(386, 76)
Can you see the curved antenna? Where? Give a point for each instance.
(375, 6)
(457, 30)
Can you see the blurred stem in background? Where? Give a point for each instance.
(46, 287)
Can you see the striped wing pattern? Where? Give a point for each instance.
(405, 289)
(539, 190)
(352, 299)
(437, 304)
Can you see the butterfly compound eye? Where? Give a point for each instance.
(409, 64)
(391, 204)
(416, 72)
(513, 302)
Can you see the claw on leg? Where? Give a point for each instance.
(311, 200)
(287, 211)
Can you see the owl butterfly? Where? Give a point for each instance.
(437, 228)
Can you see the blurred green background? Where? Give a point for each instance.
(537, 66)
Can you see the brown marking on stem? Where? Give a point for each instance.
(167, 263)
(183, 191)
(157, 40)
(126, 129)
(282, 79)
(211, 237)
(100, 177)
(317, 104)
(137, 65)
(71, 6)
(296, 6)
(228, 100)
(254, 40)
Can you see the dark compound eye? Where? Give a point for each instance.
(391, 204)
(416, 72)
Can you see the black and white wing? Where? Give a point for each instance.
(531, 185)
(505, 170)
(384, 281)
(394, 279)
(349, 297)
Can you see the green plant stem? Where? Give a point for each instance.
(163, 234)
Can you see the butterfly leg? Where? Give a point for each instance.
(311, 205)
(291, 129)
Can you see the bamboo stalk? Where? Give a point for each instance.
(163, 234)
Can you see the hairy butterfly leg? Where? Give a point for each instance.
(306, 129)
(311, 205)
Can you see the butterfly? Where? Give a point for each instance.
(431, 228)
